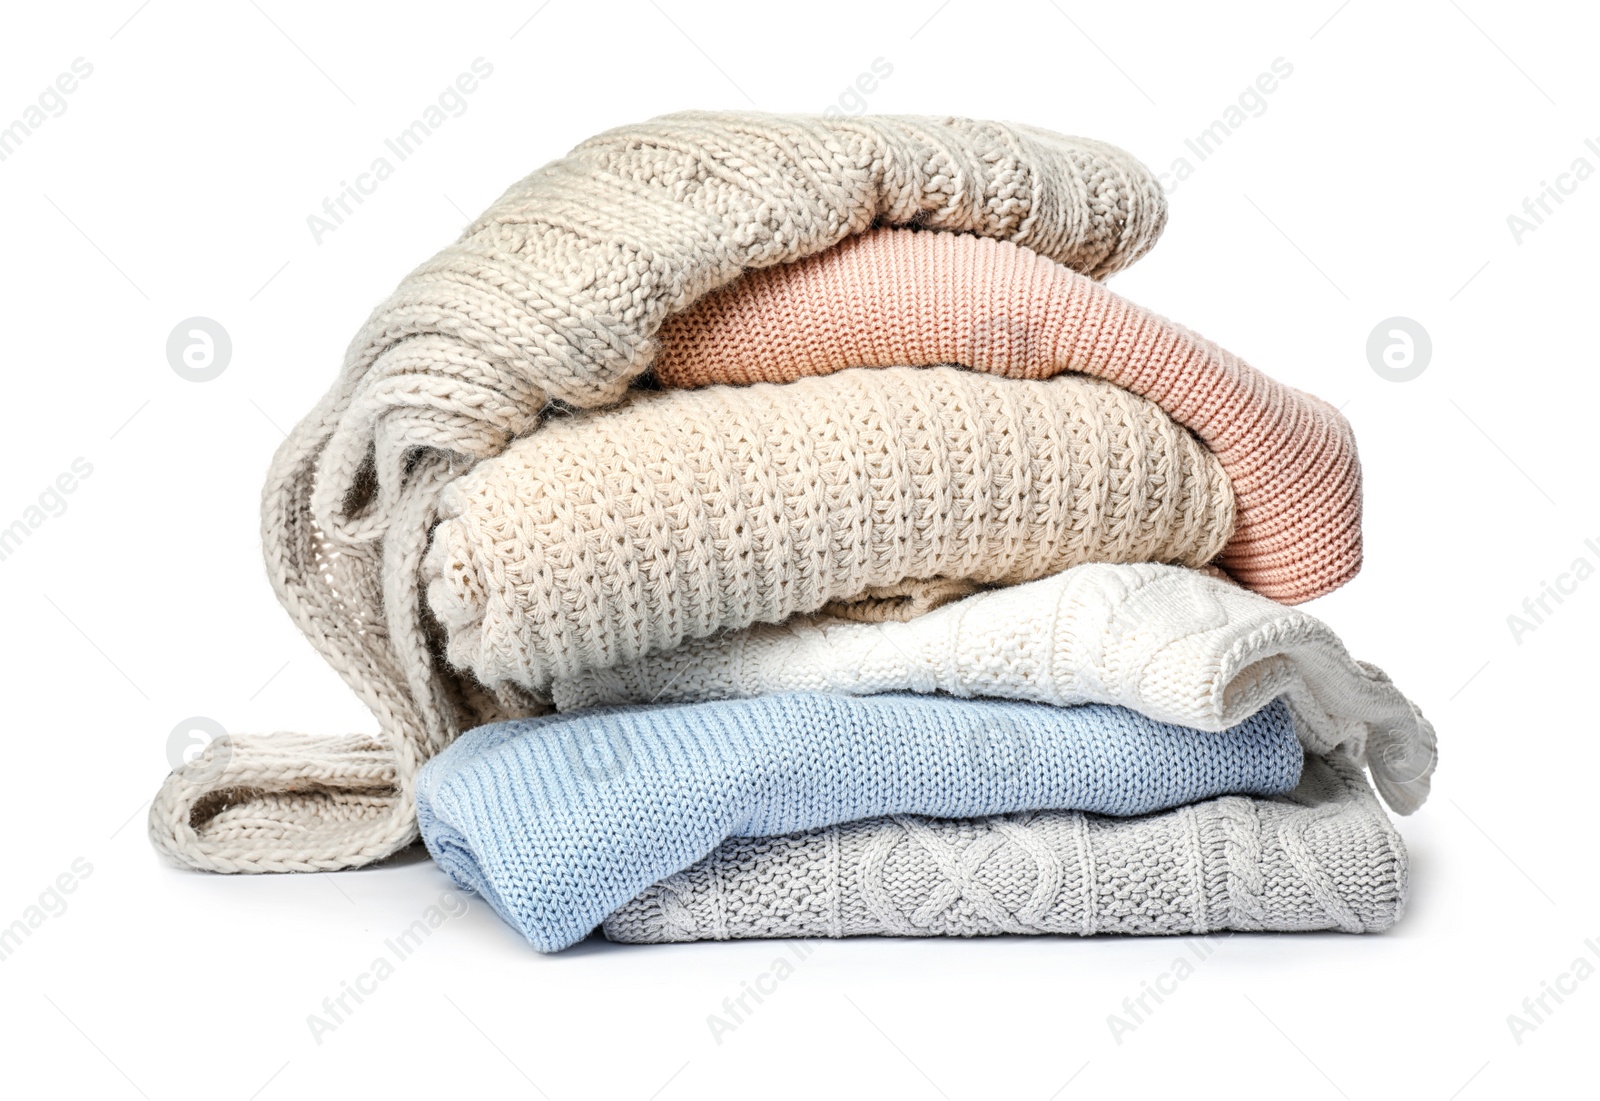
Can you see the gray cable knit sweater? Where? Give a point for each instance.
(1322, 857)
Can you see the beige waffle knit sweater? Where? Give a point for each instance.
(625, 532)
(557, 292)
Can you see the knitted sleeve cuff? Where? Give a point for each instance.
(284, 803)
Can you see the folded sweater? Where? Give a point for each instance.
(619, 533)
(555, 293)
(1172, 643)
(899, 296)
(557, 821)
(1322, 857)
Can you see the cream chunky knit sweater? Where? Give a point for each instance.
(1171, 643)
(557, 292)
(623, 532)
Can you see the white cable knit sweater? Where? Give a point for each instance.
(1178, 645)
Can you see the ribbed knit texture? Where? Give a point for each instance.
(557, 292)
(1324, 857)
(1171, 643)
(897, 296)
(625, 532)
(558, 821)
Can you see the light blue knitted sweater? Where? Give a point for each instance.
(559, 820)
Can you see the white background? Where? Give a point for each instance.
(1377, 183)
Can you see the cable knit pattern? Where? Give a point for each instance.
(556, 293)
(896, 296)
(1323, 857)
(625, 532)
(1171, 643)
(557, 821)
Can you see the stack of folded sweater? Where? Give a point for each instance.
(809, 545)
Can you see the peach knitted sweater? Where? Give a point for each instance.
(901, 296)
